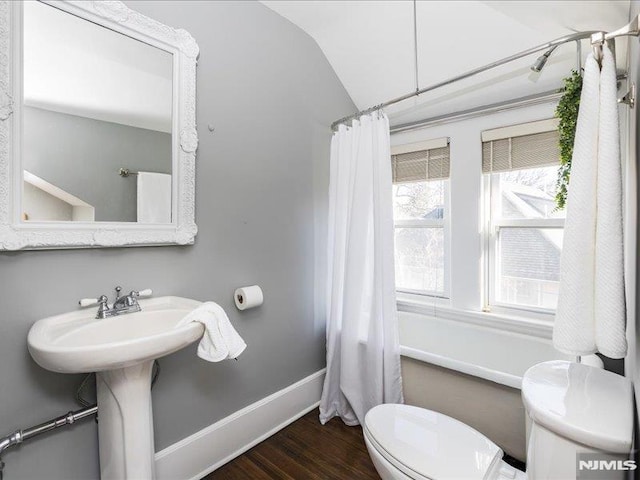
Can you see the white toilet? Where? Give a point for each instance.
(571, 408)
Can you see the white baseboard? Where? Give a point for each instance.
(210, 448)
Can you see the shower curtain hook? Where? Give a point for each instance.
(597, 40)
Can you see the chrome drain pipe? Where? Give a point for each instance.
(20, 436)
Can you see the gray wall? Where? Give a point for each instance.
(83, 156)
(261, 186)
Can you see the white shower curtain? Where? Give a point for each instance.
(363, 353)
(591, 314)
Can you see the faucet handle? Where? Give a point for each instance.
(143, 293)
(132, 298)
(88, 302)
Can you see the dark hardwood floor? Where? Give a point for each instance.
(304, 450)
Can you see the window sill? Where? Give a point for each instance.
(441, 308)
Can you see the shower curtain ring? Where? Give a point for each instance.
(597, 41)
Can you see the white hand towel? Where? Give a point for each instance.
(574, 328)
(220, 340)
(154, 197)
(610, 308)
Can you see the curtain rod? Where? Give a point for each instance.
(534, 99)
(559, 41)
(597, 40)
(526, 101)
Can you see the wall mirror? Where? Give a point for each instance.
(97, 127)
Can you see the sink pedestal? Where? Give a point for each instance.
(125, 423)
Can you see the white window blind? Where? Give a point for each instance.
(520, 147)
(421, 161)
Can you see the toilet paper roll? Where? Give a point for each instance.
(248, 297)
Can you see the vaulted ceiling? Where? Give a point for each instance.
(370, 45)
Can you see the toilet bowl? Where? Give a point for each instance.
(572, 410)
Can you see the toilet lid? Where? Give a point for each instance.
(430, 444)
(582, 403)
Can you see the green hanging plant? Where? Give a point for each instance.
(567, 112)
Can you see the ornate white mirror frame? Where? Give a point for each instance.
(16, 234)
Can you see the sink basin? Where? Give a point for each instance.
(121, 350)
(77, 342)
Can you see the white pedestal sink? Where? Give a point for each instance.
(121, 350)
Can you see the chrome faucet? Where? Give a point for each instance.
(121, 305)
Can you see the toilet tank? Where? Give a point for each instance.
(577, 415)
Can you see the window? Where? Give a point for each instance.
(420, 209)
(525, 230)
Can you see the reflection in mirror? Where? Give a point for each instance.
(95, 102)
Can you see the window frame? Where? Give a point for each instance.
(443, 223)
(468, 230)
(491, 267)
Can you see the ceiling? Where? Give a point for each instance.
(370, 44)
